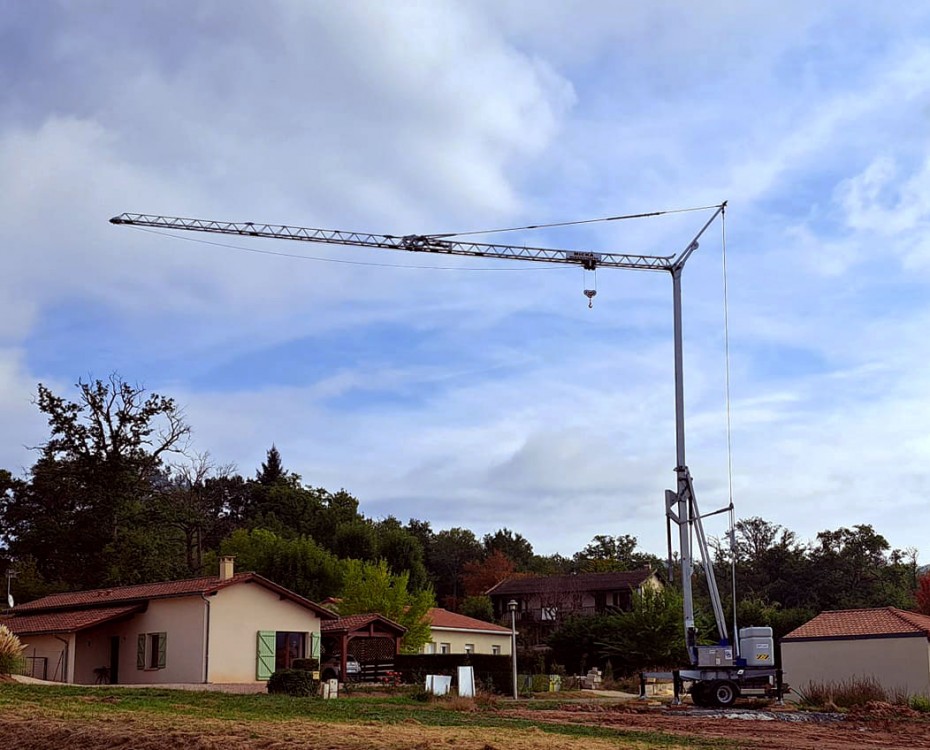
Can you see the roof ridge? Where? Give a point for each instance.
(910, 617)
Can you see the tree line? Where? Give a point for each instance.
(117, 495)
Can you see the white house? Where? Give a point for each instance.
(452, 633)
(229, 628)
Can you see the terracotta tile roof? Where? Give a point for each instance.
(443, 618)
(351, 623)
(67, 622)
(95, 598)
(862, 623)
(630, 579)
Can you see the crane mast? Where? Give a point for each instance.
(681, 504)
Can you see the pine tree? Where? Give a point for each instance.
(272, 471)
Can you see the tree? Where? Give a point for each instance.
(272, 471)
(88, 513)
(371, 587)
(188, 501)
(449, 551)
(479, 607)
(514, 546)
(297, 563)
(608, 553)
(402, 551)
(650, 635)
(922, 594)
(480, 575)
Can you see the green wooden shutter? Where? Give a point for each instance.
(313, 645)
(162, 650)
(264, 666)
(140, 651)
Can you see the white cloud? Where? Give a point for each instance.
(532, 411)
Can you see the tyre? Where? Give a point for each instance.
(724, 693)
(700, 695)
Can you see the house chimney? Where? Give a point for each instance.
(227, 567)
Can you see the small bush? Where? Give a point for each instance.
(295, 682)
(920, 703)
(11, 652)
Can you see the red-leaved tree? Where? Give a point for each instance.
(923, 593)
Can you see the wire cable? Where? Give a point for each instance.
(574, 223)
(726, 350)
(524, 267)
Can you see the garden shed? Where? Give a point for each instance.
(887, 645)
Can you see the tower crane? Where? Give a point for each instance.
(718, 674)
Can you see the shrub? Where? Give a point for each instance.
(920, 703)
(11, 651)
(296, 682)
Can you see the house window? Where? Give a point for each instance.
(496, 650)
(288, 647)
(279, 649)
(549, 613)
(429, 648)
(469, 648)
(152, 651)
(445, 648)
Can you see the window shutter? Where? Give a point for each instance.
(162, 650)
(140, 651)
(264, 666)
(314, 640)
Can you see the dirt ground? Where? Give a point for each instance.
(881, 726)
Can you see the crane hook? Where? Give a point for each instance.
(590, 293)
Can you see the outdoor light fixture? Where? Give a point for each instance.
(512, 606)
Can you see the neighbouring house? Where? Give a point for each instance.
(550, 599)
(888, 645)
(453, 633)
(229, 628)
(372, 639)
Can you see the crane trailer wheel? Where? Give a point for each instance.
(724, 693)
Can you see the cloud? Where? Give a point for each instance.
(474, 397)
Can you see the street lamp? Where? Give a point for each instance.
(512, 606)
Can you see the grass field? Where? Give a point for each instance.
(76, 717)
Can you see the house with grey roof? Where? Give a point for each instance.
(550, 599)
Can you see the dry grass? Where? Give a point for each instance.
(31, 729)
(11, 651)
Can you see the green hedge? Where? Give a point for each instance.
(296, 682)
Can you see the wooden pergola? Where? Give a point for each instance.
(373, 638)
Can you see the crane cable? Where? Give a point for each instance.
(726, 349)
(578, 222)
(343, 261)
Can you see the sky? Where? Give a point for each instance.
(465, 391)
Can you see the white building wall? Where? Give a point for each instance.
(457, 639)
(56, 653)
(237, 614)
(898, 664)
(182, 621)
